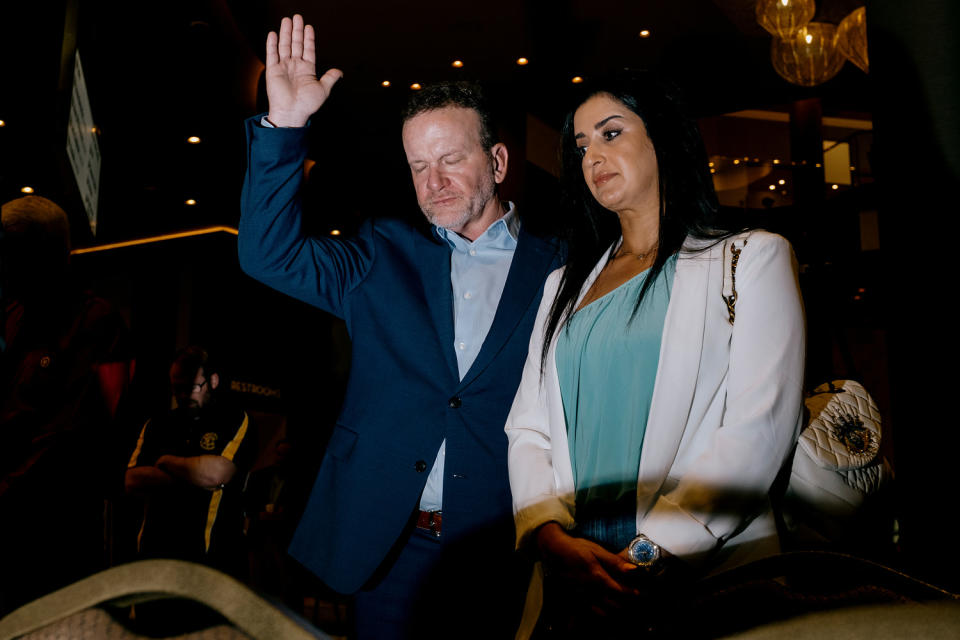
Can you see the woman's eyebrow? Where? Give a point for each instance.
(599, 125)
(606, 120)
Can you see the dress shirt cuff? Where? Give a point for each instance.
(264, 122)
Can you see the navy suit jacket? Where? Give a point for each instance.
(391, 285)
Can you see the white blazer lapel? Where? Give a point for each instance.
(680, 350)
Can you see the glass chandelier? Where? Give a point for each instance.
(808, 57)
(852, 38)
(782, 18)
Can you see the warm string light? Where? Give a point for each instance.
(645, 33)
(522, 61)
(457, 64)
(576, 79)
(193, 140)
(190, 202)
(26, 189)
(416, 86)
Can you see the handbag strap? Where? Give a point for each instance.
(731, 256)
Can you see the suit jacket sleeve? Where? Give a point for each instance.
(271, 244)
(729, 483)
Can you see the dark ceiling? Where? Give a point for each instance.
(160, 72)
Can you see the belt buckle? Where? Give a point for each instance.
(433, 522)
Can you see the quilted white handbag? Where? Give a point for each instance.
(837, 464)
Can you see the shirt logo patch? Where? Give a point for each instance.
(208, 441)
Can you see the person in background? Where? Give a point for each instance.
(662, 392)
(189, 465)
(65, 363)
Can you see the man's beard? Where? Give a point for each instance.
(472, 208)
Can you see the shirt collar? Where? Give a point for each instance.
(502, 234)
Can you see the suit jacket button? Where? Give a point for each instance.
(455, 402)
(420, 466)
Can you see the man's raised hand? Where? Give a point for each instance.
(293, 89)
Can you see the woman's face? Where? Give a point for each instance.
(617, 157)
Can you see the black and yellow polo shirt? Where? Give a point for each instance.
(185, 521)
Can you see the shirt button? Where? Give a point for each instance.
(462, 346)
(473, 252)
(455, 402)
(420, 466)
(467, 295)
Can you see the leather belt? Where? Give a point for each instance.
(430, 521)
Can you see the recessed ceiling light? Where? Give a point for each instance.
(190, 202)
(385, 83)
(773, 187)
(645, 33)
(26, 189)
(835, 187)
(781, 181)
(335, 232)
(522, 61)
(2, 123)
(193, 140)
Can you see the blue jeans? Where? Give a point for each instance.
(611, 527)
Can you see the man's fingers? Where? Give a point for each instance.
(272, 57)
(286, 26)
(296, 38)
(309, 44)
(329, 79)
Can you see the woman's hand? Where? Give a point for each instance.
(587, 567)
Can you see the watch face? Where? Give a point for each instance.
(644, 552)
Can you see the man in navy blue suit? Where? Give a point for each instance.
(411, 508)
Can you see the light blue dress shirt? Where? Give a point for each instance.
(478, 273)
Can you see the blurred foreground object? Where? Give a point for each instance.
(70, 613)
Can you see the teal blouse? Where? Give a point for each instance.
(607, 365)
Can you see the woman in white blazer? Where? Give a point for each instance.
(725, 390)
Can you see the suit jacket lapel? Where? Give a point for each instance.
(532, 261)
(435, 274)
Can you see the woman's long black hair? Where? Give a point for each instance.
(688, 203)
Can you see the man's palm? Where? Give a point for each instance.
(293, 89)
